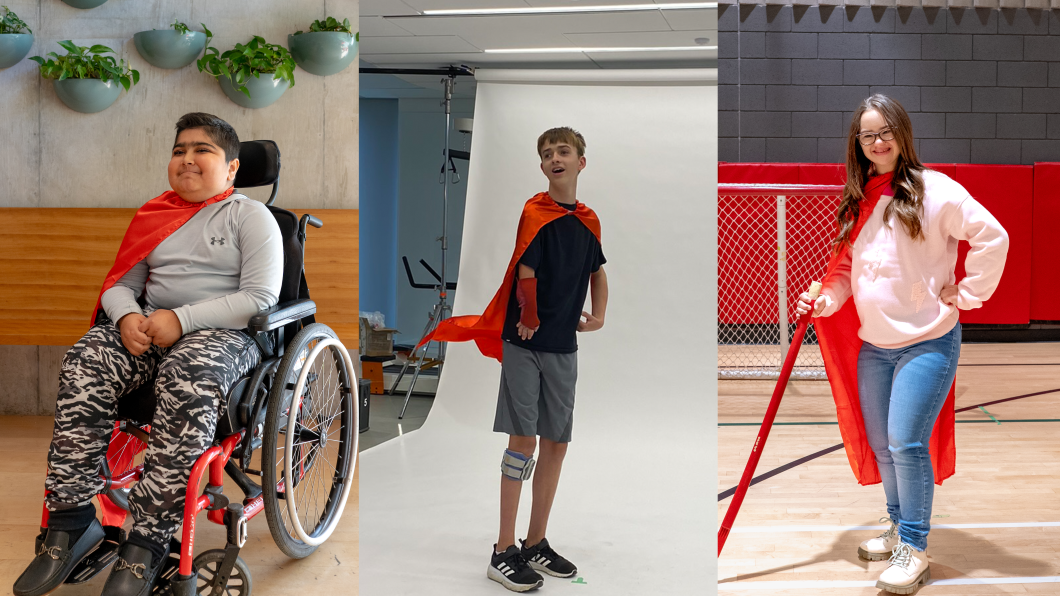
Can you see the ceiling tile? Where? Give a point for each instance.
(371, 8)
(568, 23)
(420, 44)
(422, 5)
(484, 60)
(683, 20)
(380, 27)
(640, 39)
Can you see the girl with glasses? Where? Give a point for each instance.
(891, 352)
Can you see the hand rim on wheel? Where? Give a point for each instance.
(292, 421)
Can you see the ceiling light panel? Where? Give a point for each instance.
(469, 27)
(570, 9)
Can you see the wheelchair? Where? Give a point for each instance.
(296, 410)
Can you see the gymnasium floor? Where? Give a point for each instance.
(996, 526)
(23, 458)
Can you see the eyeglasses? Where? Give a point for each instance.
(868, 138)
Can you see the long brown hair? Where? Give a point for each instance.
(907, 182)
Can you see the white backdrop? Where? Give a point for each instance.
(636, 506)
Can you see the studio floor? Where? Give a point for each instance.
(383, 421)
(23, 455)
(996, 522)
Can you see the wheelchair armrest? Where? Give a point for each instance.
(280, 315)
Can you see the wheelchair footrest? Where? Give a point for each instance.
(99, 559)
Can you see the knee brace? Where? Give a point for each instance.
(516, 466)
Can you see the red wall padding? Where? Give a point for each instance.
(822, 173)
(1045, 278)
(1007, 192)
(758, 173)
(1015, 195)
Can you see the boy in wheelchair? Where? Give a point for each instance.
(205, 261)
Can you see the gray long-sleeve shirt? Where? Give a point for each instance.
(221, 267)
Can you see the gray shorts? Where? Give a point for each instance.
(537, 394)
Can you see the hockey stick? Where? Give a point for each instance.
(767, 422)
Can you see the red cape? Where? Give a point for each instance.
(153, 223)
(485, 329)
(840, 344)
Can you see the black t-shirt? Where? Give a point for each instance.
(563, 255)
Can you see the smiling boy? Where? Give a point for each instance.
(540, 361)
(531, 326)
(202, 260)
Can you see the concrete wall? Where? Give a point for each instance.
(981, 86)
(55, 157)
(421, 142)
(379, 210)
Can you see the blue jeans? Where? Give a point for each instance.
(902, 392)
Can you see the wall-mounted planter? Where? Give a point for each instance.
(84, 3)
(167, 48)
(14, 47)
(263, 91)
(87, 96)
(323, 52)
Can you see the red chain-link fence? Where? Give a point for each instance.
(771, 238)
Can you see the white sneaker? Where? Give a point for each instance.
(909, 568)
(880, 547)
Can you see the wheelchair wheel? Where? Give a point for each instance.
(309, 451)
(208, 564)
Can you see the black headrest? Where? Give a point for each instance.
(259, 164)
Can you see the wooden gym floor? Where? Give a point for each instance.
(798, 531)
(24, 440)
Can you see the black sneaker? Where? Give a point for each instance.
(512, 571)
(543, 558)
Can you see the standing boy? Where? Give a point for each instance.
(540, 364)
(531, 326)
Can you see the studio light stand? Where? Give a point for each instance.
(441, 309)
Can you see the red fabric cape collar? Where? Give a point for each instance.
(153, 223)
(485, 329)
(840, 344)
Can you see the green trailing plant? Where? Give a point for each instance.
(183, 29)
(10, 23)
(251, 60)
(331, 24)
(87, 63)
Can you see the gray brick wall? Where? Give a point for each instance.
(981, 85)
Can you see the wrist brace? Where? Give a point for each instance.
(526, 295)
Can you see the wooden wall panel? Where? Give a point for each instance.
(52, 263)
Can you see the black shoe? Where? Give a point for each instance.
(134, 573)
(512, 571)
(55, 559)
(543, 558)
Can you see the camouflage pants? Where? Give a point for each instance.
(191, 380)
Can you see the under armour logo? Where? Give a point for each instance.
(918, 294)
(220, 241)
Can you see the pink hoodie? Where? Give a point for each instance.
(896, 281)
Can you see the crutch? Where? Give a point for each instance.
(767, 422)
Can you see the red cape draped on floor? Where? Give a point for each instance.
(153, 223)
(840, 344)
(485, 329)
